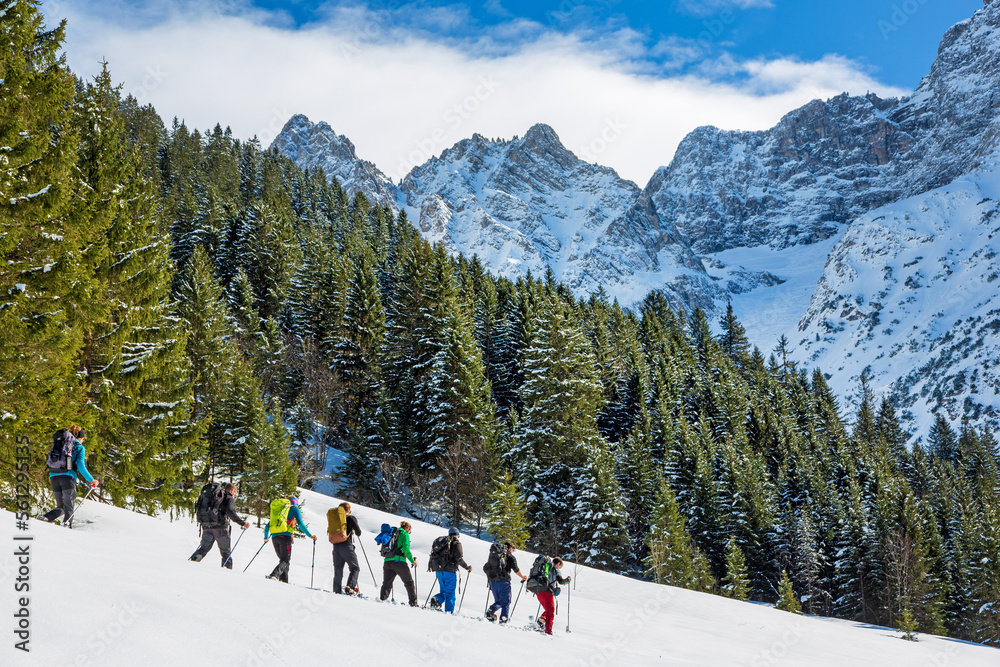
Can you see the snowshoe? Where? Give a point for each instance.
(491, 616)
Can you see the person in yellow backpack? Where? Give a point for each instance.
(285, 516)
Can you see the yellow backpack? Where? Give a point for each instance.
(280, 507)
(336, 519)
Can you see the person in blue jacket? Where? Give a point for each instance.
(282, 541)
(64, 483)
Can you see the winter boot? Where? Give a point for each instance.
(491, 616)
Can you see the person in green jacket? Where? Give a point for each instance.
(395, 565)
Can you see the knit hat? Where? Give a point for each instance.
(293, 500)
(453, 531)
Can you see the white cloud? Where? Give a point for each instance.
(402, 98)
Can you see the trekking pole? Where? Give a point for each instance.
(414, 567)
(569, 604)
(313, 570)
(255, 555)
(463, 593)
(374, 583)
(515, 602)
(428, 600)
(234, 547)
(73, 513)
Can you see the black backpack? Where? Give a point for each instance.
(540, 576)
(60, 458)
(389, 549)
(496, 564)
(208, 509)
(440, 554)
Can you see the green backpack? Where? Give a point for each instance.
(279, 515)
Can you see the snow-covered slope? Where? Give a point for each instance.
(118, 591)
(910, 293)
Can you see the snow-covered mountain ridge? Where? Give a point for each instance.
(738, 215)
(137, 600)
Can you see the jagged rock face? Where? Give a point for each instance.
(910, 294)
(829, 162)
(317, 146)
(530, 204)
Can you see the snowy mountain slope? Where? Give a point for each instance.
(118, 591)
(527, 204)
(910, 292)
(317, 146)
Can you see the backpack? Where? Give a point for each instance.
(384, 535)
(539, 577)
(389, 548)
(60, 458)
(208, 509)
(440, 558)
(496, 565)
(280, 507)
(336, 525)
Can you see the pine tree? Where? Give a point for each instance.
(133, 355)
(736, 584)
(507, 519)
(44, 282)
(674, 559)
(787, 600)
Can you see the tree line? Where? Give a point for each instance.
(206, 309)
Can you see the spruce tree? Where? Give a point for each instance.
(507, 518)
(787, 600)
(736, 583)
(44, 282)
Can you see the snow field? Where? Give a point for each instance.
(119, 590)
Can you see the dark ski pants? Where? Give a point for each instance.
(64, 489)
(447, 581)
(390, 570)
(344, 553)
(549, 605)
(210, 536)
(282, 547)
(501, 599)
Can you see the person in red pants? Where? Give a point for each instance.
(547, 597)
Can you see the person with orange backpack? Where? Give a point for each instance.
(342, 527)
(285, 517)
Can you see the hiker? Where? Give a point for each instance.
(216, 507)
(396, 557)
(447, 557)
(285, 517)
(498, 568)
(343, 550)
(67, 458)
(544, 583)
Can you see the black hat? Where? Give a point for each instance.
(81, 435)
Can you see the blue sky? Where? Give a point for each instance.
(621, 81)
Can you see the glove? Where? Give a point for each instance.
(94, 484)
